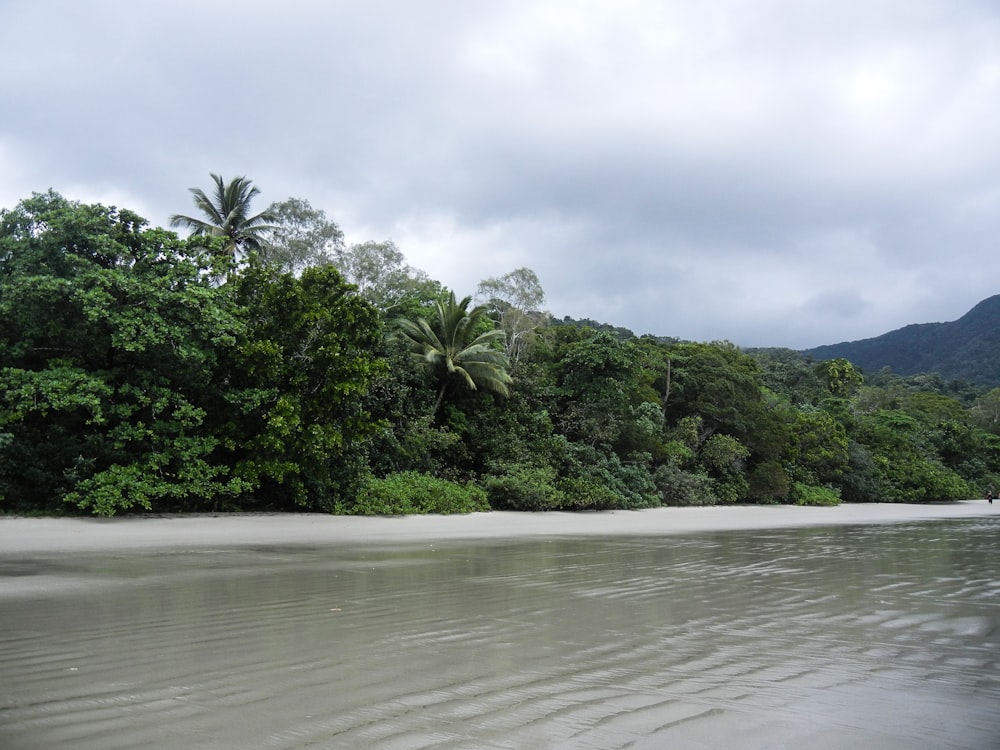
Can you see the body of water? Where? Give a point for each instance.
(881, 636)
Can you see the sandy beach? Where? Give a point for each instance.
(26, 535)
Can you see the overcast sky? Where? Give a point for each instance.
(769, 172)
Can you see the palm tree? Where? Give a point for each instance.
(451, 348)
(227, 214)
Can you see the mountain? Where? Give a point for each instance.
(965, 349)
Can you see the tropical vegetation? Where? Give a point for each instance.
(262, 363)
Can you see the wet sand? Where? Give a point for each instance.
(19, 535)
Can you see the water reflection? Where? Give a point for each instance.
(880, 636)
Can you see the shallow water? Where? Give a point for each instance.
(839, 637)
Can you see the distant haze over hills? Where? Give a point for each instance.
(965, 349)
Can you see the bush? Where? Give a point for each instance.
(595, 480)
(522, 487)
(678, 487)
(807, 494)
(769, 483)
(584, 493)
(410, 492)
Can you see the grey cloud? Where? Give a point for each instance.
(774, 173)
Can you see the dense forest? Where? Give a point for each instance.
(264, 364)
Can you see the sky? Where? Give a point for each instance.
(767, 172)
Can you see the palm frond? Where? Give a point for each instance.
(227, 214)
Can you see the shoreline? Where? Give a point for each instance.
(25, 535)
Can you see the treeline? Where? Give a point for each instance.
(263, 364)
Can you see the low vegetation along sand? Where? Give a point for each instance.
(20, 535)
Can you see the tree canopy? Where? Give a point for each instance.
(457, 344)
(226, 213)
(143, 371)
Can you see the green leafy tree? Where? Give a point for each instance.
(839, 376)
(724, 457)
(226, 213)
(598, 381)
(904, 467)
(818, 448)
(717, 382)
(128, 380)
(457, 345)
(295, 426)
(788, 373)
(300, 237)
(110, 336)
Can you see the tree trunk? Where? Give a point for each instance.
(440, 398)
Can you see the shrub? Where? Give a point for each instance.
(411, 492)
(807, 494)
(522, 487)
(584, 493)
(769, 483)
(678, 487)
(595, 480)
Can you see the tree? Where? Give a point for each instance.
(598, 381)
(227, 214)
(110, 335)
(724, 456)
(819, 448)
(382, 276)
(301, 236)
(128, 380)
(516, 299)
(717, 382)
(455, 346)
(839, 376)
(294, 425)
(985, 412)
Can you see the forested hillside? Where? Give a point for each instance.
(263, 363)
(965, 349)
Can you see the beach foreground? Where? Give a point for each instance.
(19, 535)
(813, 628)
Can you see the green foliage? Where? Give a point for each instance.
(455, 347)
(598, 384)
(300, 237)
(139, 371)
(153, 387)
(788, 373)
(985, 412)
(769, 482)
(227, 214)
(905, 466)
(678, 487)
(718, 383)
(818, 447)
(839, 376)
(110, 338)
(525, 487)
(412, 492)
(724, 457)
(596, 480)
(296, 427)
(806, 494)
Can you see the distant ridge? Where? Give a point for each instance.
(965, 349)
